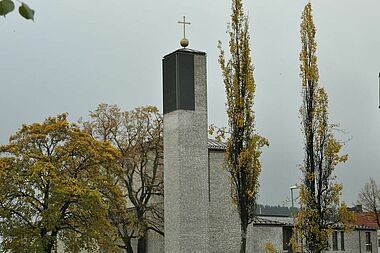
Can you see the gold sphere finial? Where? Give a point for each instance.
(184, 42)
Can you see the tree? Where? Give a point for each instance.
(320, 208)
(7, 6)
(137, 134)
(269, 248)
(243, 144)
(369, 197)
(55, 184)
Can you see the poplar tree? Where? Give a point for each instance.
(243, 144)
(320, 207)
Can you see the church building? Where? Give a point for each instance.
(198, 209)
(199, 214)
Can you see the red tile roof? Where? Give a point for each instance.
(366, 219)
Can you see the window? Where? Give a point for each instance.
(287, 233)
(342, 240)
(368, 244)
(335, 240)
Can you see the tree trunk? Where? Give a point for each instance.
(128, 246)
(48, 241)
(141, 244)
(243, 243)
(48, 247)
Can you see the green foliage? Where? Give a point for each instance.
(321, 209)
(26, 11)
(243, 144)
(55, 183)
(137, 134)
(7, 6)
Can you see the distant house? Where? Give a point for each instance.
(277, 230)
(367, 219)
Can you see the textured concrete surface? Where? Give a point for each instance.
(185, 171)
(224, 229)
(262, 235)
(155, 243)
(224, 222)
(355, 242)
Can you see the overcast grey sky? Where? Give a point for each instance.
(79, 53)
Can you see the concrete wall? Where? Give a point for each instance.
(224, 229)
(262, 235)
(155, 243)
(185, 171)
(354, 242)
(224, 222)
(273, 235)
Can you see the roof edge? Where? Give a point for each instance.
(186, 51)
(216, 145)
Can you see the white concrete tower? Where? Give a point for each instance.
(185, 151)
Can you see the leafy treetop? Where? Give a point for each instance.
(55, 183)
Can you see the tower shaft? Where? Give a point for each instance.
(185, 152)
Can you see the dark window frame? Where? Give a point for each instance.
(368, 243)
(335, 241)
(342, 245)
(287, 233)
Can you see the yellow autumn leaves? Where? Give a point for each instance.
(320, 208)
(53, 179)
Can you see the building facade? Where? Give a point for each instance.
(199, 214)
(367, 219)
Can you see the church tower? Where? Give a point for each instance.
(185, 151)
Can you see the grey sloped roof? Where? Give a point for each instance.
(356, 227)
(273, 220)
(216, 145)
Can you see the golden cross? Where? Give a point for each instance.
(184, 25)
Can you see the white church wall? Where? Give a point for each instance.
(259, 236)
(224, 229)
(185, 169)
(155, 243)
